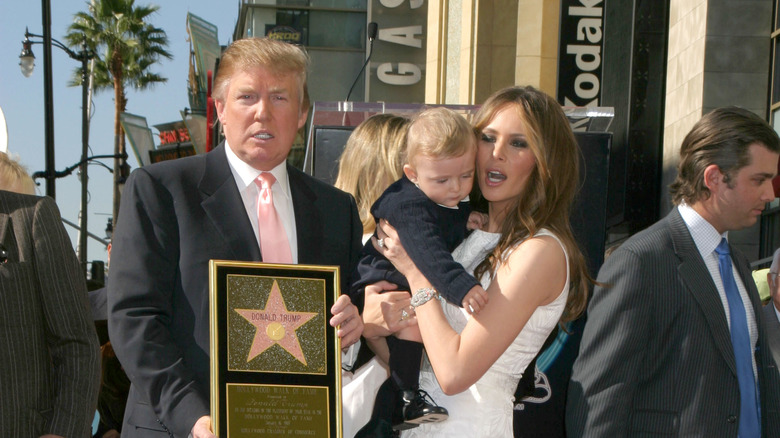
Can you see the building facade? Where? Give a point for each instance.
(661, 64)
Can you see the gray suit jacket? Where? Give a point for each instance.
(49, 366)
(656, 356)
(176, 216)
(772, 330)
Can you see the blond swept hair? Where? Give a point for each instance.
(439, 133)
(371, 161)
(14, 176)
(278, 57)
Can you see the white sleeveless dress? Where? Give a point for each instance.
(485, 409)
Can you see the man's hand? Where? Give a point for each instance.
(202, 428)
(348, 321)
(51, 436)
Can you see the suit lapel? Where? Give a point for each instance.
(5, 214)
(224, 207)
(7, 239)
(697, 278)
(308, 225)
(3, 226)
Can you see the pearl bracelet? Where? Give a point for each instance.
(423, 295)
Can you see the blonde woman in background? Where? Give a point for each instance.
(372, 159)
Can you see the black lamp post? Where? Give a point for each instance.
(27, 63)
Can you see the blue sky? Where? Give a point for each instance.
(21, 99)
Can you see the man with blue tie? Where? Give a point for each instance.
(674, 344)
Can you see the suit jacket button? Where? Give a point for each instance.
(732, 419)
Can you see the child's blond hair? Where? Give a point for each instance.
(439, 133)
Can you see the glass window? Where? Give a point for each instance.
(321, 4)
(289, 25)
(340, 4)
(333, 73)
(337, 29)
(309, 27)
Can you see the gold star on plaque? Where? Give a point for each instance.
(276, 325)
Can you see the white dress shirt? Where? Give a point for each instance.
(245, 176)
(707, 238)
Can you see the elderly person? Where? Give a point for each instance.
(772, 308)
(50, 362)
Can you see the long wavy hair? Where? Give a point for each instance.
(547, 197)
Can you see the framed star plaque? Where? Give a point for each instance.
(275, 360)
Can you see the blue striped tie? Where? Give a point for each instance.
(749, 423)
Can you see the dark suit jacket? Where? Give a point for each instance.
(772, 330)
(49, 366)
(656, 356)
(175, 216)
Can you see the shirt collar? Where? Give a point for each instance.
(246, 174)
(704, 235)
(454, 207)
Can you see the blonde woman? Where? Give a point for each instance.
(372, 159)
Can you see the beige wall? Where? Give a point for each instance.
(537, 44)
(684, 76)
(477, 47)
(435, 65)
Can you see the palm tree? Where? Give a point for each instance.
(126, 47)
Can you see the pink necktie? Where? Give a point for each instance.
(273, 239)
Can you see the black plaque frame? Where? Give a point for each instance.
(280, 395)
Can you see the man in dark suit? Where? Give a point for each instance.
(177, 215)
(772, 308)
(657, 356)
(49, 364)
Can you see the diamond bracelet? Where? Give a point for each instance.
(423, 295)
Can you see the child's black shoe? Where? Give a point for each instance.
(419, 408)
